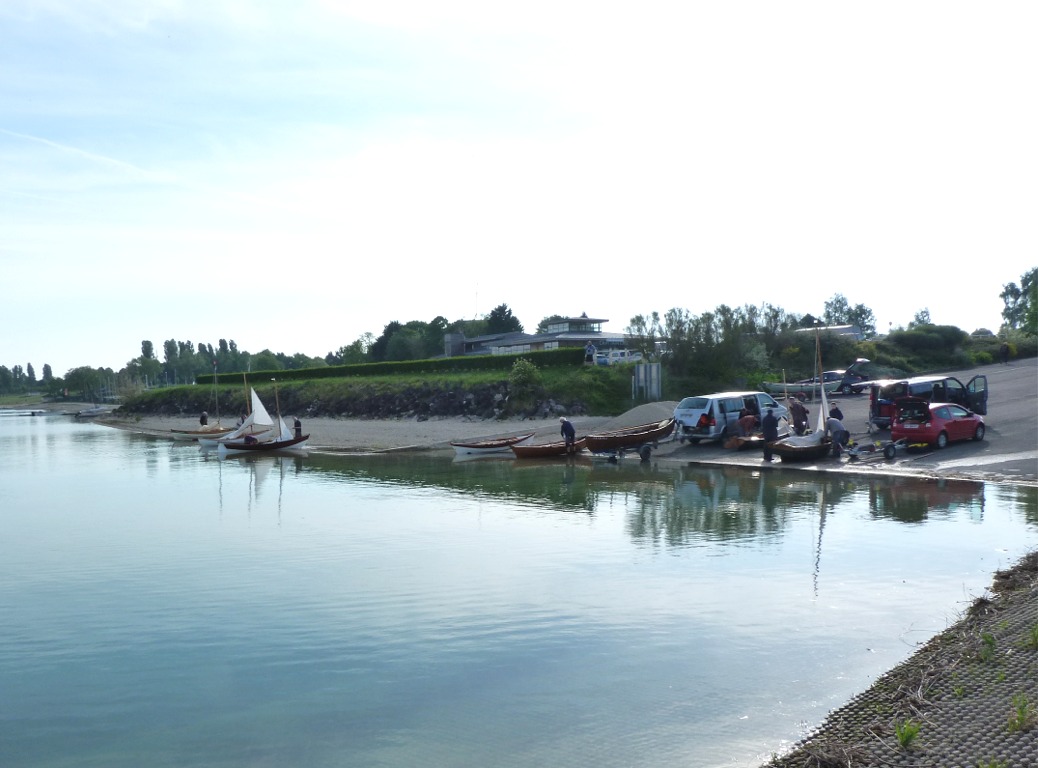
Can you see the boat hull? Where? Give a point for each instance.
(496, 445)
(264, 446)
(548, 450)
(631, 438)
(195, 434)
(792, 452)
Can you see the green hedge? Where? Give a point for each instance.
(552, 358)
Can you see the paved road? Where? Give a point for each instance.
(1009, 452)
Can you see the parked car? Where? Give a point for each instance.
(617, 356)
(832, 381)
(883, 394)
(713, 417)
(919, 421)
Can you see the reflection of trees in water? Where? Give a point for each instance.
(671, 505)
(913, 500)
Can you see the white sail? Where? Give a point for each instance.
(257, 423)
(814, 438)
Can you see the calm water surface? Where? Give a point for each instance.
(164, 608)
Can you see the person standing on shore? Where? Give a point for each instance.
(203, 420)
(798, 411)
(298, 426)
(769, 427)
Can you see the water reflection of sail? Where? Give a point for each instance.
(821, 530)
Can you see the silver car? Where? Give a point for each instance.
(713, 417)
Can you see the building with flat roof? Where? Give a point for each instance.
(566, 332)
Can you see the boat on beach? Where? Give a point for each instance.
(548, 450)
(491, 445)
(641, 439)
(203, 432)
(814, 445)
(286, 440)
(280, 438)
(258, 425)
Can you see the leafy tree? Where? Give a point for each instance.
(836, 310)
(147, 350)
(643, 333)
(85, 382)
(1021, 303)
(30, 374)
(501, 320)
(355, 352)
(377, 350)
(266, 361)
(432, 337)
(6, 380)
(48, 375)
(862, 316)
(922, 317)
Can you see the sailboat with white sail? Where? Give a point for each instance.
(280, 438)
(258, 425)
(814, 445)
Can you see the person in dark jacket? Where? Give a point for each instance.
(203, 420)
(769, 427)
(298, 426)
(569, 433)
(835, 412)
(798, 414)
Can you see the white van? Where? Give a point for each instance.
(617, 356)
(713, 417)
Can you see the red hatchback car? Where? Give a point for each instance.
(919, 421)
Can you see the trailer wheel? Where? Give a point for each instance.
(645, 452)
(889, 450)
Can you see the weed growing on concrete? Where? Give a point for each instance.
(906, 733)
(1023, 716)
(987, 646)
(992, 764)
(1032, 638)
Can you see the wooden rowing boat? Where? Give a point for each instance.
(631, 438)
(492, 445)
(547, 450)
(204, 432)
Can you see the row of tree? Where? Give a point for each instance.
(720, 344)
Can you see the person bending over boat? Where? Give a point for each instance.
(569, 433)
(840, 436)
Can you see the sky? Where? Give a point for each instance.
(293, 175)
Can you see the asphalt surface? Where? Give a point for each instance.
(1008, 453)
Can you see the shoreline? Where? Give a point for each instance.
(961, 688)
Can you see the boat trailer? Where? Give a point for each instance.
(888, 450)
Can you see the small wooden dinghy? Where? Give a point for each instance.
(547, 450)
(492, 445)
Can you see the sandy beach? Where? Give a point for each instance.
(375, 435)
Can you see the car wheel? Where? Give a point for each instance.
(942, 440)
(845, 389)
(979, 434)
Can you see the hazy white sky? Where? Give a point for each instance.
(291, 175)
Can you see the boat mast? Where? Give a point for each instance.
(216, 397)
